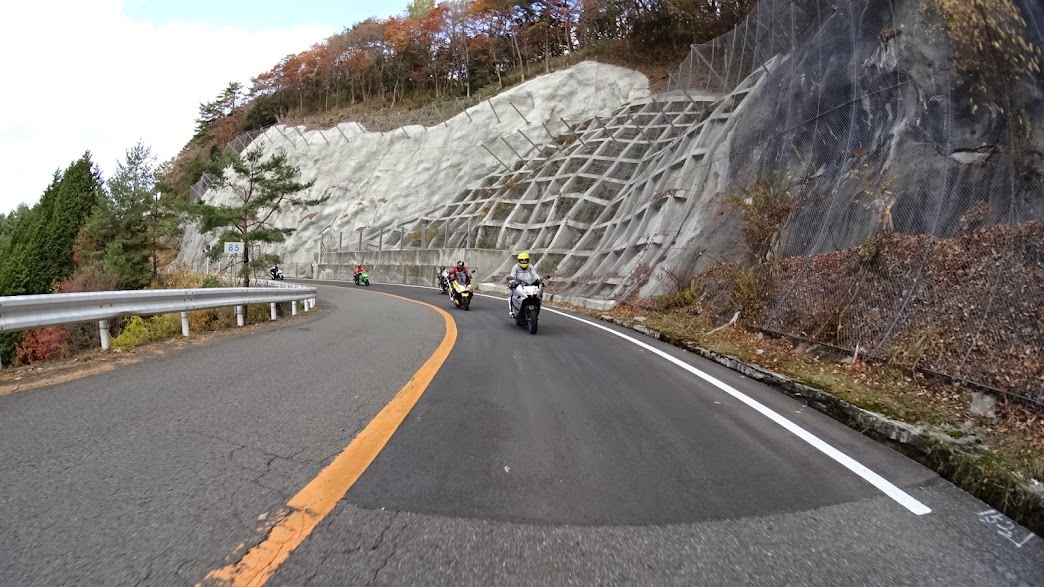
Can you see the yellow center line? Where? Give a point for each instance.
(318, 498)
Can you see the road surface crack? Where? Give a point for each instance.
(393, 543)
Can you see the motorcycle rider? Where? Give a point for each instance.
(359, 270)
(460, 272)
(521, 274)
(274, 272)
(443, 279)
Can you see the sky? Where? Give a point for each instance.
(100, 75)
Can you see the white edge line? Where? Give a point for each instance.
(901, 497)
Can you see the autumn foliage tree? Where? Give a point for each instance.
(452, 48)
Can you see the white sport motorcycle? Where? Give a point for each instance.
(525, 304)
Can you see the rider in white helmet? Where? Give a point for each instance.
(521, 274)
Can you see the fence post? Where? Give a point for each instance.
(519, 113)
(464, 110)
(103, 330)
(535, 147)
(360, 239)
(576, 133)
(184, 324)
(495, 157)
(512, 149)
(380, 239)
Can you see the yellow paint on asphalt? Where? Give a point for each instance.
(318, 498)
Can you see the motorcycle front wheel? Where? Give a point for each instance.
(531, 320)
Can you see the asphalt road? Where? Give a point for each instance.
(572, 456)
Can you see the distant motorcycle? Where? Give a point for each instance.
(525, 304)
(444, 285)
(276, 273)
(362, 279)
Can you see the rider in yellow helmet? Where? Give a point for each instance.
(521, 274)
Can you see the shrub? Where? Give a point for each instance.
(766, 205)
(870, 250)
(42, 345)
(210, 281)
(140, 330)
(750, 291)
(681, 288)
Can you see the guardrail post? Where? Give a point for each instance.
(184, 324)
(103, 329)
(240, 315)
(293, 308)
(273, 306)
(313, 303)
(305, 304)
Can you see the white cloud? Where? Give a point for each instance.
(82, 76)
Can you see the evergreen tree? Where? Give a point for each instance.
(133, 225)
(40, 253)
(261, 188)
(8, 225)
(210, 112)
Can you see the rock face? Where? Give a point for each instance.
(387, 179)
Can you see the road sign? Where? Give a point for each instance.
(233, 248)
(206, 248)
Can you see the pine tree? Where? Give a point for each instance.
(261, 188)
(133, 225)
(225, 104)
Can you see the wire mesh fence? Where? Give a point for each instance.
(891, 197)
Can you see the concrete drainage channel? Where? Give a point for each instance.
(1021, 500)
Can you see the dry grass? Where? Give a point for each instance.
(1012, 443)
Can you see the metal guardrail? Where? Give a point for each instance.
(36, 311)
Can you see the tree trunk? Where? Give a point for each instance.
(246, 263)
(521, 66)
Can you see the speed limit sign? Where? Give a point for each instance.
(233, 248)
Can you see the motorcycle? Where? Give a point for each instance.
(444, 285)
(276, 273)
(461, 295)
(362, 279)
(525, 304)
